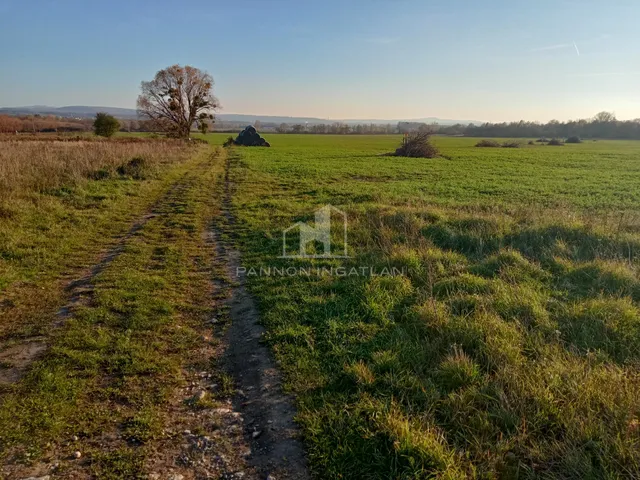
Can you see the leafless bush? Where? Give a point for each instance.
(487, 143)
(511, 145)
(418, 145)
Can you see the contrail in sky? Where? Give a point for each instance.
(577, 51)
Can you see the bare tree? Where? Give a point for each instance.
(176, 98)
(605, 117)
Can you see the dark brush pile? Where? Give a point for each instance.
(249, 137)
(417, 145)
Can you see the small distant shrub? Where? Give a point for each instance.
(134, 168)
(417, 145)
(100, 174)
(105, 125)
(228, 142)
(555, 142)
(573, 139)
(511, 145)
(542, 140)
(487, 143)
(531, 142)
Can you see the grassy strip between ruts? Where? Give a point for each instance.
(509, 349)
(113, 365)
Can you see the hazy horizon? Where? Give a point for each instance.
(362, 60)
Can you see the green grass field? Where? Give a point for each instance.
(506, 344)
(510, 349)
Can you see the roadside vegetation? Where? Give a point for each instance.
(507, 346)
(38, 165)
(509, 349)
(113, 367)
(62, 204)
(107, 271)
(63, 201)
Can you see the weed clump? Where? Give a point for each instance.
(573, 139)
(457, 371)
(417, 145)
(555, 142)
(465, 284)
(488, 144)
(100, 174)
(607, 324)
(511, 145)
(134, 168)
(493, 144)
(510, 265)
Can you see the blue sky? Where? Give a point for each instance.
(493, 60)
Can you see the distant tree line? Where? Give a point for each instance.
(51, 123)
(603, 125)
(42, 123)
(338, 128)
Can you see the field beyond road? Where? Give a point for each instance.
(484, 322)
(510, 349)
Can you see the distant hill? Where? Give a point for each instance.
(236, 117)
(74, 111)
(83, 111)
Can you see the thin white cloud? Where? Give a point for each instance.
(561, 46)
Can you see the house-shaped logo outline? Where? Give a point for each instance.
(320, 232)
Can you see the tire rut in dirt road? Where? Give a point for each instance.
(267, 412)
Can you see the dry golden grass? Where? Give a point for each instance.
(28, 166)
